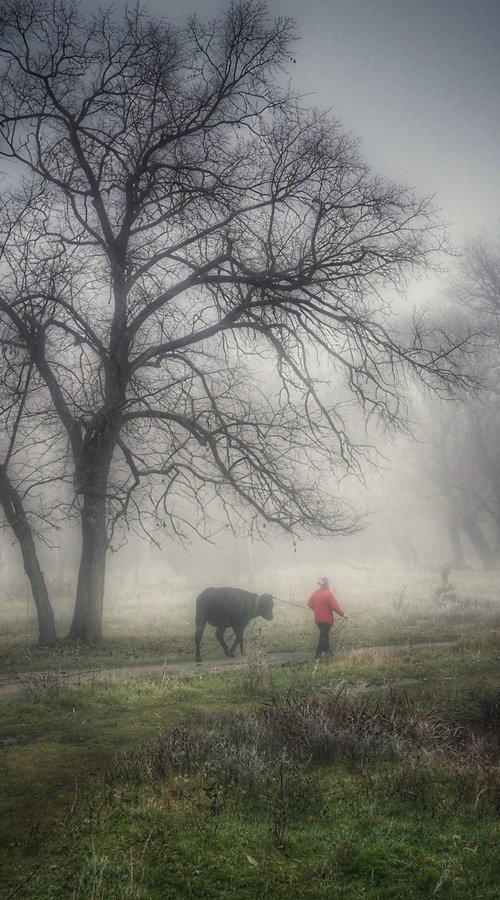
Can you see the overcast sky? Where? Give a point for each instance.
(417, 80)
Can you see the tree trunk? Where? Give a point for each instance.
(87, 617)
(456, 543)
(479, 543)
(496, 524)
(16, 517)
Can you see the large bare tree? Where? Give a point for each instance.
(210, 273)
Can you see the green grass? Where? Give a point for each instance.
(125, 790)
(360, 837)
(364, 829)
(162, 844)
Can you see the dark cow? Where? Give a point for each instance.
(229, 608)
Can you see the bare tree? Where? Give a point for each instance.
(208, 285)
(17, 484)
(476, 290)
(459, 458)
(455, 470)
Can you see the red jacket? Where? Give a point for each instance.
(324, 604)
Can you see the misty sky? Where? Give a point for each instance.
(417, 80)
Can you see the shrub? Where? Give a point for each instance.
(479, 710)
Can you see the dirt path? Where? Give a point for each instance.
(15, 685)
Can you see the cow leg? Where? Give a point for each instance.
(219, 634)
(200, 627)
(238, 640)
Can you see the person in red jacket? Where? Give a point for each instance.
(324, 603)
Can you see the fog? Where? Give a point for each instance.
(401, 532)
(427, 495)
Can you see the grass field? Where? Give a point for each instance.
(385, 607)
(373, 775)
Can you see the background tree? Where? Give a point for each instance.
(476, 292)
(450, 465)
(221, 260)
(457, 463)
(25, 511)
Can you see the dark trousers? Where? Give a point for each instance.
(324, 638)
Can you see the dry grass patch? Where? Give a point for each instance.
(376, 658)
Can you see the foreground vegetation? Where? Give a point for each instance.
(373, 775)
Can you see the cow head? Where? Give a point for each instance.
(265, 606)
